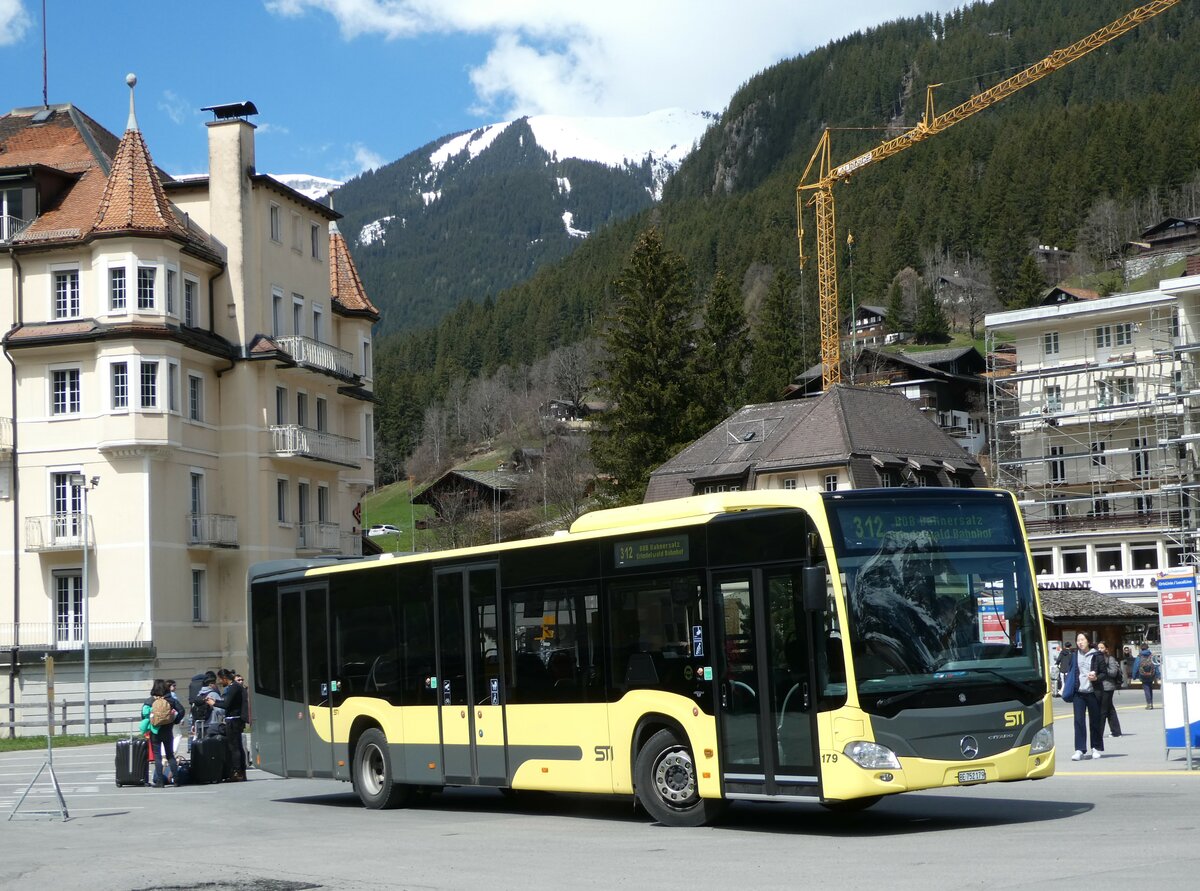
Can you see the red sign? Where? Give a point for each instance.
(357, 513)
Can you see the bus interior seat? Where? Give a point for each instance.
(641, 670)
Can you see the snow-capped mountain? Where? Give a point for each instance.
(473, 213)
(314, 187)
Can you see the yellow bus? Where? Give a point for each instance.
(768, 645)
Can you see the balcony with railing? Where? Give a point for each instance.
(313, 354)
(212, 531)
(294, 441)
(58, 532)
(320, 538)
(67, 634)
(11, 227)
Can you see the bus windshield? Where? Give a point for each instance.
(938, 596)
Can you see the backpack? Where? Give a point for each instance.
(177, 708)
(1146, 667)
(161, 713)
(200, 710)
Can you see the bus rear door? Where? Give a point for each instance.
(470, 679)
(766, 698)
(305, 682)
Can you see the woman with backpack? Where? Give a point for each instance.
(158, 725)
(1088, 671)
(1110, 682)
(1146, 670)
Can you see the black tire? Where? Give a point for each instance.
(851, 805)
(373, 777)
(664, 777)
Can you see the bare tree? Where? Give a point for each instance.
(573, 371)
(566, 473)
(461, 520)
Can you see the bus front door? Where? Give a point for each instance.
(766, 697)
(470, 677)
(304, 682)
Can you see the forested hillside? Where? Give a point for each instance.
(1078, 161)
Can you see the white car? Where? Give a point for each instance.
(383, 529)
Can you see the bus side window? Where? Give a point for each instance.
(551, 639)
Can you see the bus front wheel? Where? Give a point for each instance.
(374, 780)
(665, 777)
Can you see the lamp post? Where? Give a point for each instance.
(82, 484)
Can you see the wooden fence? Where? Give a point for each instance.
(108, 716)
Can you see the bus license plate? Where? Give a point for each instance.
(972, 776)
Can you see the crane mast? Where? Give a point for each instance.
(826, 175)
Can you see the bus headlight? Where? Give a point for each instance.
(1043, 741)
(871, 756)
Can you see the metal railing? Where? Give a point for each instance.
(212, 530)
(292, 440)
(67, 634)
(11, 227)
(314, 354)
(125, 714)
(323, 537)
(58, 532)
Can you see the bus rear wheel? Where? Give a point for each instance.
(374, 780)
(665, 778)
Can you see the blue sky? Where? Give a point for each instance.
(345, 85)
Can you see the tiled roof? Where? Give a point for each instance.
(69, 140)
(133, 199)
(1060, 605)
(344, 284)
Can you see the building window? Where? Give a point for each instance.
(1053, 398)
(955, 480)
(196, 493)
(172, 386)
(199, 583)
(65, 394)
(281, 500)
(1123, 334)
(1098, 459)
(322, 414)
(316, 323)
(1176, 557)
(276, 311)
(1050, 343)
(149, 385)
(789, 483)
(366, 357)
(1104, 338)
(1117, 391)
(368, 436)
(1043, 562)
(281, 406)
(301, 409)
(1058, 509)
(1175, 323)
(831, 482)
(1109, 560)
(296, 224)
(191, 289)
(145, 287)
(1101, 507)
(116, 288)
(276, 226)
(68, 607)
(1074, 561)
(195, 397)
(1141, 456)
(322, 504)
(172, 286)
(66, 294)
(315, 238)
(302, 503)
(1143, 556)
(297, 314)
(887, 479)
(120, 385)
(1058, 467)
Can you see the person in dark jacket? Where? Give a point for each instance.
(1146, 671)
(1108, 689)
(1066, 658)
(233, 700)
(1089, 663)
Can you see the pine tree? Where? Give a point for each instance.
(646, 375)
(896, 313)
(722, 352)
(776, 358)
(1029, 285)
(931, 324)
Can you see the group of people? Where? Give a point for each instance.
(217, 706)
(1093, 675)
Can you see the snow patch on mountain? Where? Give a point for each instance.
(564, 185)
(373, 232)
(473, 143)
(568, 218)
(314, 187)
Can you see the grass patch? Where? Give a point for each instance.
(32, 743)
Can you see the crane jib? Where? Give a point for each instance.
(850, 166)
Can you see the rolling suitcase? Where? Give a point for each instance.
(133, 761)
(208, 760)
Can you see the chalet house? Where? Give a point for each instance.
(846, 438)
(867, 325)
(1167, 241)
(946, 384)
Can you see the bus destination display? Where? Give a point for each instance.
(867, 524)
(649, 551)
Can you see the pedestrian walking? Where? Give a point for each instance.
(1088, 667)
(1066, 659)
(1127, 663)
(158, 725)
(1110, 682)
(1147, 673)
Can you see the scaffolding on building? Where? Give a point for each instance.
(1099, 435)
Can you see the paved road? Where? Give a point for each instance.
(1084, 826)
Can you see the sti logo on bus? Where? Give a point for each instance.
(1014, 719)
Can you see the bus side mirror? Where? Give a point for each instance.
(815, 588)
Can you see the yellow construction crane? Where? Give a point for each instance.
(826, 174)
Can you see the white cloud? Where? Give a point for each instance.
(359, 159)
(175, 107)
(274, 129)
(620, 57)
(14, 21)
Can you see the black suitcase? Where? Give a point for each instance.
(133, 761)
(208, 760)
